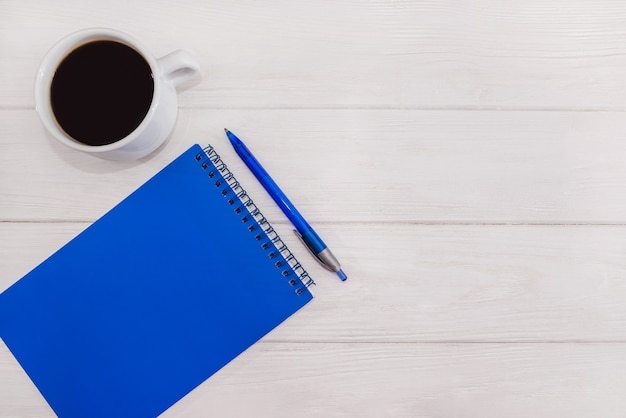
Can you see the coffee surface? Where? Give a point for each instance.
(101, 92)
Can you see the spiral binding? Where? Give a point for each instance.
(245, 206)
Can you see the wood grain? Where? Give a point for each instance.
(400, 380)
(381, 54)
(432, 283)
(370, 165)
(417, 380)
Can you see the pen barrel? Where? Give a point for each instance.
(322, 252)
(310, 238)
(313, 241)
(269, 185)
(286, 206)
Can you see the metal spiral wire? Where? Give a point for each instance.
(249, 212)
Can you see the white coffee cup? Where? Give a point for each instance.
(167, 72)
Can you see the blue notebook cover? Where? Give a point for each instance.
(154, 297)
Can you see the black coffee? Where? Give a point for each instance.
(101, 92)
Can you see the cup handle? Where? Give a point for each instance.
(178, 66)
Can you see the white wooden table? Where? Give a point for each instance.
(466, 161)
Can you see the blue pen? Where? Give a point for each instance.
(304, 231)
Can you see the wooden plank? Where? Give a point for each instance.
(431, 283)
(414, 380)
(354, 165)
(400, 380)
(400, 54)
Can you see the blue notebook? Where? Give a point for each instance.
(154, 297)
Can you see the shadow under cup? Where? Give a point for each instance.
(101, 92)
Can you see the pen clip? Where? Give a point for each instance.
(317, 257)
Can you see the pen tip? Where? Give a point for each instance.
(225, 130)
(342, 275)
